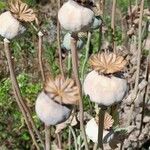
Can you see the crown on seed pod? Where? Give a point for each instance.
(108, 121)
(107, 62)
(21, 11)
(63, 91)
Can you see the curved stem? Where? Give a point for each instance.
(17, 93)
(76, 75)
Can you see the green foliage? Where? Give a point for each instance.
(13, 129)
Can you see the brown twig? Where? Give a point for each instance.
(47, 138)
(59, 43)
(59, 141)
(76, 75)
(101, 127)
(47, 128)
(40, 35)
(17, 91)
(145, 93)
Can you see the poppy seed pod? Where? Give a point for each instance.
(102, 88)
(67, 42)
(96, 23)
(9, 26)
(54, 105)
(49, 111)
(92, 129)
(74, 17)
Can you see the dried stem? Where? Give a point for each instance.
(40, 35)
(139, 50)
(145, 93)
(113, 23)
(59, 43)
(40, 52)
(59, 140)
(17, 92)
(76, 75)
(101, 127)
(86, 56)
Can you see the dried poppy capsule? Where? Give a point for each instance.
(67, 42)
(92, 128)
(74, 17)
(101, 84)
(54, 105)
(10, 21)
(9, 26)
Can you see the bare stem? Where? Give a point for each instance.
(47, 129)
(139, 49)
(59, 43)
(40, 34)
(17, 92)
(47, 138)
(145, 93)
(59, 140)
(101, 127)
(76, 75)
(113, 23)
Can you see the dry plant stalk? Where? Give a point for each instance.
(78, 83)
(18, 96)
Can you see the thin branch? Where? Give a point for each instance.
(59, 42)
(139, 52)
(16, 92)
(40, 52)
(40, 35)
(76, 75)
(145, 93)
(59, 140)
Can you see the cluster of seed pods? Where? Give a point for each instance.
(103, 84)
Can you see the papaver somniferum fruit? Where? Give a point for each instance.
(11, 20)
(54, 104)
(104, 84)
(92, 128)
(75, 17)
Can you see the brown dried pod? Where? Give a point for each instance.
(107, 63)
(63, 91)
(108, 121)
(22, 12)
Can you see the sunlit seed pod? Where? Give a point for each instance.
(9, 26)
(51, 112)
(74, 17)
(104, 90)
(67, 42)
(97, 23)
(102, 86)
